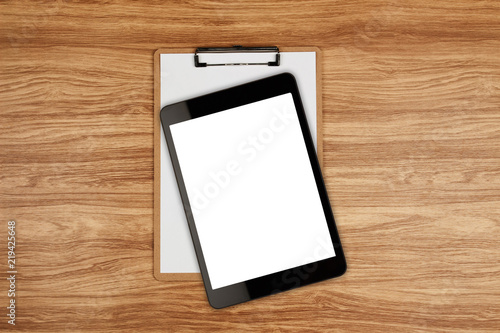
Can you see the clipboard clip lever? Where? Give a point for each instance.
(237, 49)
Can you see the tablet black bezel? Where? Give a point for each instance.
(230, 98)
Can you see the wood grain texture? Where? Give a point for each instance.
(411, 114)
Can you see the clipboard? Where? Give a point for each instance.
(268, 61)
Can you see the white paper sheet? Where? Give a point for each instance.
(181, 80)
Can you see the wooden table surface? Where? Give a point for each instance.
(412, 162)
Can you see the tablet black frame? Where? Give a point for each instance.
(284, 280)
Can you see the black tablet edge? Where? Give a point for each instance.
(293, 277)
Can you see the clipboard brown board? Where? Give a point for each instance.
(162, 276)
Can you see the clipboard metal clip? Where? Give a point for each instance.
(237, 49)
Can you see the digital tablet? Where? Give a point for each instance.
(252, 190)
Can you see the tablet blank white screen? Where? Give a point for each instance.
(250, 185)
